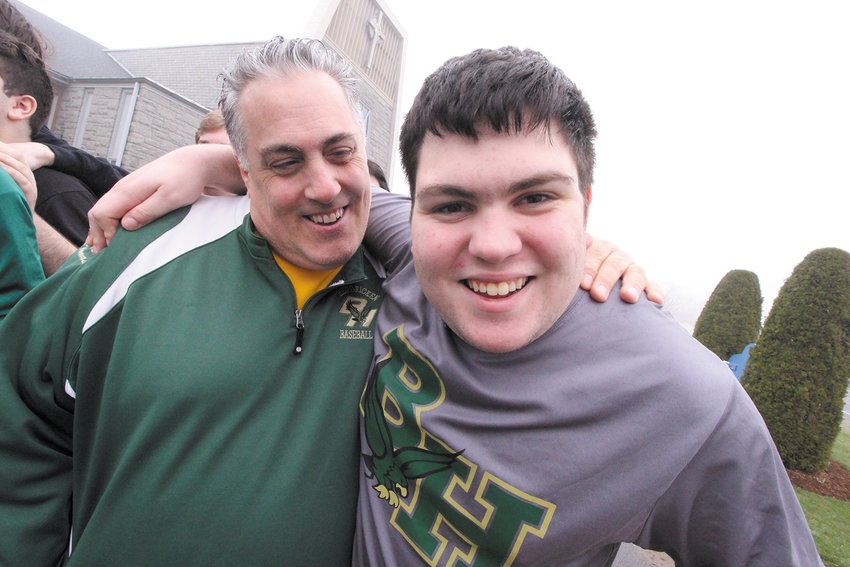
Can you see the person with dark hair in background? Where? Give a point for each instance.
(64, 201)
(46, 149)
(377, 176)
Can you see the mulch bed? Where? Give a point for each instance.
(834, 481)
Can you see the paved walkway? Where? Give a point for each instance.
(633, 556)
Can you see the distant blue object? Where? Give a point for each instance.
(738, 362)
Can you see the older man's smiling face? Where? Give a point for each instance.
(306, 174)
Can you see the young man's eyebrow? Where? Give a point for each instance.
(450, 190)
(445, 190)
(540, 179)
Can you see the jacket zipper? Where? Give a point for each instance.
(299, 316)
(299, 331)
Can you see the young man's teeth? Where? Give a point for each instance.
(327, 218)
(494, 289)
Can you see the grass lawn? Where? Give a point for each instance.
(829, 518)
(841, 448)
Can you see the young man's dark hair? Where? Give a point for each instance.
(511, 90)
(23, 73)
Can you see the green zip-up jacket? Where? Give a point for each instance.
(152, 404)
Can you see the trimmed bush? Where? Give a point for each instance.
(731, 318)
(798, 372)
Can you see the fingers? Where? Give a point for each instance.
(634, 282)
(20, 174)
(101, 231)
(605, 264)
(107, 212)
(654, 293)
(125, 204)
(33, 154)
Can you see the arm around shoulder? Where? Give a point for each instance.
(388, 231)
(172, 181)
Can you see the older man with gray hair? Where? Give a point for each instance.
(149, 417)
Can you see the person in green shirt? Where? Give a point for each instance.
(20, 265)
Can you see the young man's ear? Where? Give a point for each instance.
(588, 197)
(21, 107)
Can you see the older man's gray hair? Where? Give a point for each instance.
(279, 58)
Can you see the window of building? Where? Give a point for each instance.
(85, 109)
(121, 127)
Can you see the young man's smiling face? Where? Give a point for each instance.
(499, 233)
(306, 175)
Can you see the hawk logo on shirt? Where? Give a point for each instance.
(447, 507)
(392, 467)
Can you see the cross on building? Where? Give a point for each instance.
(376, 33)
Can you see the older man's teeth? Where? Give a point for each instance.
(496, 289)
(327, 218)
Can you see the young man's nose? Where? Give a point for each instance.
(494, 237)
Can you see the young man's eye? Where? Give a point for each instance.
(450, 208)
(534, 198)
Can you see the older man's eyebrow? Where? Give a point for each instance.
(337, 138)
(279, 149)
(293, 149)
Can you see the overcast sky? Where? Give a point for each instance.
(724, 127)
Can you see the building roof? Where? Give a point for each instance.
(70, 53)
(193, 71)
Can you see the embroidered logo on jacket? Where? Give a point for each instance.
(360, 314)
(447, 508)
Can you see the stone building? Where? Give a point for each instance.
(133, 105)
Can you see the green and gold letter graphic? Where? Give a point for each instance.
(446, 507)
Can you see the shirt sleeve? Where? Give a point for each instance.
(388, 232)
(97, 173)
(20, 264)
(733, 503)
(64, 202)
